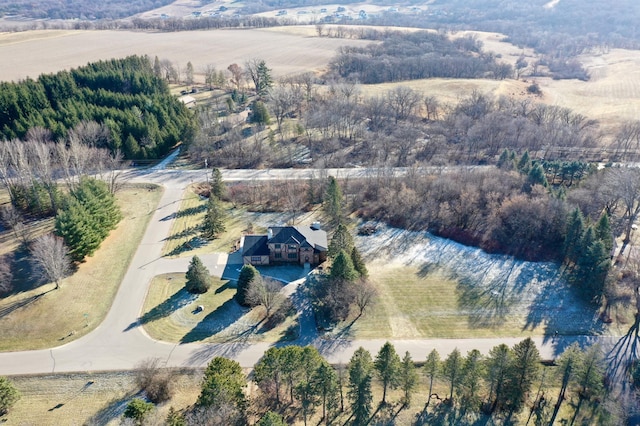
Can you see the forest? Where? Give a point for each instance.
(143, 119)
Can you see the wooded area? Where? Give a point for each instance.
(142, 119)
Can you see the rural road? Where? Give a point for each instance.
(119, 343)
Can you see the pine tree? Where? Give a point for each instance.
(524, 164)
(198, 277)
(432, 370)
(213, 223)
(387, 365)
(358, 263)
(498, 368)
(342, 268)
(592, 266)
(407, 378)
(218, 188)
(360, 375)
(568, 367)
(523, 372)
(223, 383)
(326, 381)
(452, 371)
(340, 240)
(604, 233)
(536, 176)
(472, 372)
(248, 274)
(573, 236)
(333, 202)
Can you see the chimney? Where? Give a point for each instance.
(316, 226)
(269, 234)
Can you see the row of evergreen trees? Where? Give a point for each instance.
(144, 119)
(86, 217)
(507, 385)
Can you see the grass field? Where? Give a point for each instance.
(100, 398)
(42, 317)
(170, 314)
(89, 398)
(185, 237)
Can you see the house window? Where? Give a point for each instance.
(256, 259)
(278, 255)
(277, 246)
(292, 247)
(293, 255)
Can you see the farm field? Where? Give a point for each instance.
(46, 51)
(41, 317)
(612, 94)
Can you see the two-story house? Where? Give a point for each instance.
(286, 244)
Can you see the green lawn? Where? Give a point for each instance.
(412, 304)
(41, 317)
(170, 314)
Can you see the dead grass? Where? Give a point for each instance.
(54, 50)
(89, 398)
(185, 232)
(412, 304)
(42, 318)
(170, 314)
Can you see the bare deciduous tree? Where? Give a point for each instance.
(51, 259)
(365, 295)
(265, 292)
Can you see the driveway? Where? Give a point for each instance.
(119, 343)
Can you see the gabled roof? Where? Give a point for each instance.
(304, 236)
(255, 245)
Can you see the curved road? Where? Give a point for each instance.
(119, 343)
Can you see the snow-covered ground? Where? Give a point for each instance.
(501, 284)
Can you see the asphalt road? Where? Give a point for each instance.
(120, 342)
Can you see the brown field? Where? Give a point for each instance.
(46, 51)
(612, 94)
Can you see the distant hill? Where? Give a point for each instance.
(78, 9)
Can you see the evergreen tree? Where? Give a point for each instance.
(604, 233)
(472, 372)
(505, 162)
(260, 113)
(340, 240)
(248, 274)
(333, 202)
(223, 383)
(9, 395)
(589, 379)
(592, 266)
(524, 164)
(342, 268)
(327, 387)
(387, 365)
(306, 389)
(137, 410)
(568, 366)
(271, 419)
(407, 378)
(574, 234)
(498, 369)
(360, 375)
(452, 371)
(74, 225)
(175, 418)
(214, 218)
(358, 263)
(218, 188)
(523, 372)
(198, 277)
(268, 373)
(432, 370)
(536, 176)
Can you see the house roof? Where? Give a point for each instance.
(304, 236)
(255, 245)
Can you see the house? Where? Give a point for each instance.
(286, 244)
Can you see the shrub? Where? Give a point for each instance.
(9, 395)
(198, 277)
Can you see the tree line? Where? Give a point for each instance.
(142, 118)
(416, 55)
(295, 384)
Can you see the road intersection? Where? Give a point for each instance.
(120, 343)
